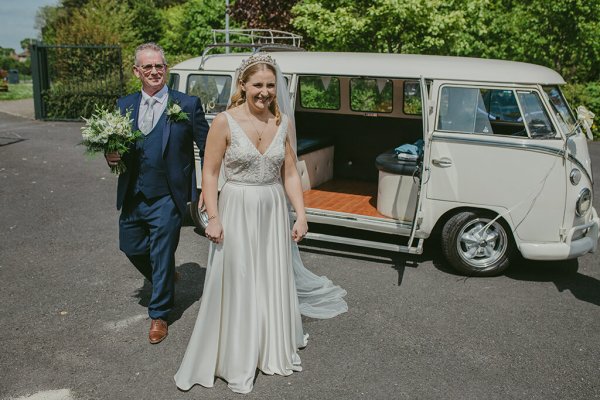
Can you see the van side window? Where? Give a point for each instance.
(371, 95)
(502, 105)
(482, 111)
(412, 98)
(319, 92)
(213, 91)
(535, 114)
(463, 110)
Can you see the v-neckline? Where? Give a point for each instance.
(250, 141)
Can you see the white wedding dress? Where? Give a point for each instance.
(249, 315)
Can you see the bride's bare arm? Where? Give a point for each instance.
(216, 144)
(293, 188)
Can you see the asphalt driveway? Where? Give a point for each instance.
(74, 323)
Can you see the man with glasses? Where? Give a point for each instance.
(159, 180)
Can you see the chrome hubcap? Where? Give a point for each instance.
(480, 245)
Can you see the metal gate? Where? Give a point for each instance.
(70, 80)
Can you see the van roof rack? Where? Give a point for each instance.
(255, 39)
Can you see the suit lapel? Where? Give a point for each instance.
(136, 110)
(167, 127)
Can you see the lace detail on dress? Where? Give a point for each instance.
(244, 163)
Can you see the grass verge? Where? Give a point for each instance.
(17, 91)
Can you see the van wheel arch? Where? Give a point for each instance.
(460, 230)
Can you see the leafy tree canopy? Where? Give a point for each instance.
(189, 25)
(562, 34)
(396, 26)
(263, 14)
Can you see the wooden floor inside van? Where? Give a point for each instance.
(346, 196)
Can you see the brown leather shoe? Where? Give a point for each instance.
(158, 331)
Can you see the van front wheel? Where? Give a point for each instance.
(196, 217)
(474, 245)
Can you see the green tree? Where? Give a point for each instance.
(263, 14)
(48, 18)
(98, 22)
(188, 26)
(147, 20)
(6, 52)
(395, 26)
(26, 42)
(561, 34)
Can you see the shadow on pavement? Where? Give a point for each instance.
(398, 261)
(564, 274)
(187, 291)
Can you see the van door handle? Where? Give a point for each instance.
(443, 162)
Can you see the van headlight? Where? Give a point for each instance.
(584, 202)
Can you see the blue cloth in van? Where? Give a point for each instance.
(415, 149)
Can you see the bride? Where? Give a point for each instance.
(256, 285)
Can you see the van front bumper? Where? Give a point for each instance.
(569, 248)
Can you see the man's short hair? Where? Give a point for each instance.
(149, 46)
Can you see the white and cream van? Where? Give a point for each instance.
(503, 167)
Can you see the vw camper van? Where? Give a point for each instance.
(395, 148)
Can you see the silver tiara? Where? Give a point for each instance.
(258, 58)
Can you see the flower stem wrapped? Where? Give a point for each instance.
(109, 131)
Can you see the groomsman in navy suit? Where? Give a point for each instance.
(153, 192)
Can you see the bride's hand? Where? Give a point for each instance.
(299, 230)
(214, 231)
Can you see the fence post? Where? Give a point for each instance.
(39, 75)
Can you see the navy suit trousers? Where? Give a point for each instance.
(149, 234)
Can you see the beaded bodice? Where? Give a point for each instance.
(245, 164)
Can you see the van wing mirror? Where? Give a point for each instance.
(586, 119)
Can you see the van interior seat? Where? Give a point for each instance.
(315, 160)
(308, 144)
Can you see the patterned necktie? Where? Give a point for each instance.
(148, 117)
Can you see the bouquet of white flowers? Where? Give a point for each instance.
(108, 132)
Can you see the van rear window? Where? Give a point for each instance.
(213, 91)
(371, 95)
(319, 92)
(412, 98)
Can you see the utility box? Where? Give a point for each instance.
(13, 76)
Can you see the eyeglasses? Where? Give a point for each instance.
(147, 68)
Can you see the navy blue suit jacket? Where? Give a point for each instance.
(177, 148)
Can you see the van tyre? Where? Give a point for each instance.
(195, 214)
(473, 250)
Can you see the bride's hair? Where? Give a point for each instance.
(239, 97)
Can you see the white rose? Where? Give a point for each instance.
(175, 109)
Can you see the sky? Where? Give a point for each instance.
(17, 20)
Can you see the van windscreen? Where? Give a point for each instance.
(213, 91)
